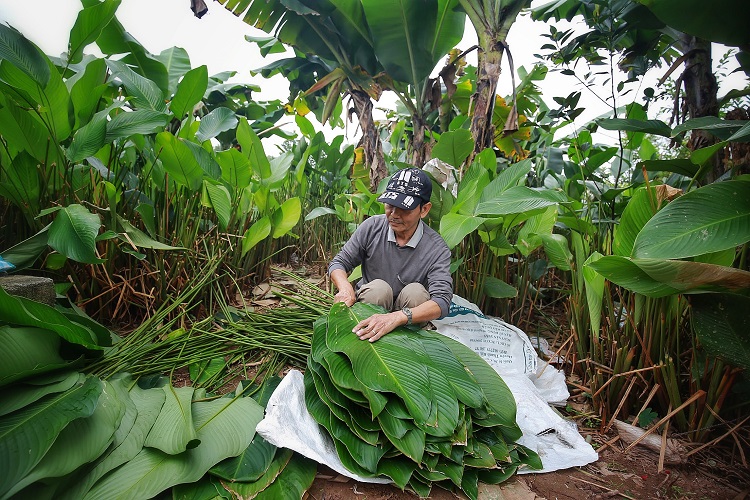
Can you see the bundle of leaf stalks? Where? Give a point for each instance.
(414, 406)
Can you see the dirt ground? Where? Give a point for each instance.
(615, 475)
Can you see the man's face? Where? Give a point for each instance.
(404, 221)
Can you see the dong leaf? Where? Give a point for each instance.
(393, 364)
(225, 427)
(26, 312)
(722, 324)
(660, 278)
(128, 440)
(81, 442)
(28, 351)
(27, 434)
(173, 430)
(25, 394)
(190, 91)
(696, 224)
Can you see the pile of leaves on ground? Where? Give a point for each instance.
(415, 406)
(65, 434)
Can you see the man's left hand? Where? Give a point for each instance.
(378, 325)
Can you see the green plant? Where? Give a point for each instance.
(420, 409)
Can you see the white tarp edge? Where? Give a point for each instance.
(507, 349)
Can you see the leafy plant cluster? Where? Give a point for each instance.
(416, 407)
(66, 434)
(128, 173)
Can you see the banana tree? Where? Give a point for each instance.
(491, 20)
(365, 47)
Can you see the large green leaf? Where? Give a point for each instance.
(454, 147)
(26, 312)
(179, 161)
(235, 168)
(557, 250)
(498, 289)
(514, 175)
(21, 184)
(217, 121)
(704, 20)
(286, 217)
(455, 227)
(390, 365)
(594, 284)
(88, 26)
(51, 101)
(248, 466)
(173, 430)
(636, 214)
(89, 138)
(177, 63)
(81, 442)
(27, 435)
(28, 351)
(218, 198)
(660, 278)
(253, 149)
(19, 51)
(140, 121)
(529, 238)
(73, 234)
(259, 231)
(722, 324)
(190, 91)
(87, 89)
(410, 37)
(293, 482)
(145, 93)
(35, 389)
(134, 236)
(225, 427)
(656, 127)
(515, 200)
(709, 219)
(252, 488)
(21, 129)
(128, 440)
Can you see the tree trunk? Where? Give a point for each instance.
(418, 154)
(370, 140)
(701, 96)
(488, 73)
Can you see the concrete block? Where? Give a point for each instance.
(30, 287)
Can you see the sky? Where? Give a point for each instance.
(217, 40)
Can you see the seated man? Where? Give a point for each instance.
(405, 263)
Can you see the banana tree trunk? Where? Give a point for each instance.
(419, 153)
(488, 74)
(370, 141)
(701, 96)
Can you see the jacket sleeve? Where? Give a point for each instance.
(440, 283)
(351, 253)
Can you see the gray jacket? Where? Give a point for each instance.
(425, 259)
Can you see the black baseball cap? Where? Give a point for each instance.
(407, 189)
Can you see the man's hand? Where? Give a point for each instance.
(378, 325)
(348, 297)
(346, 293)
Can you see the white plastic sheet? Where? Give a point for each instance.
(506, 348)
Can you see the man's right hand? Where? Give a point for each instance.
(346, 296)
(346, 293)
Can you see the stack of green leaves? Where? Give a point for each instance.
(414, 406)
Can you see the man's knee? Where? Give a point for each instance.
(377, 292)
(412, 295)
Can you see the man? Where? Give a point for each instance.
(405, 263)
